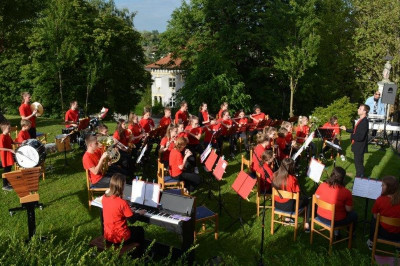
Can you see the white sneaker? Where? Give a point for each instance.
(342, 157)
(369, 244)
(196, 170)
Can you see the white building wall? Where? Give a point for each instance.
(161, 84)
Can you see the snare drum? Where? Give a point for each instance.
(63, 143)
(30, 154)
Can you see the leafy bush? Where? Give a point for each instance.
(342, 108)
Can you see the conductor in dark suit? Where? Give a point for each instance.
(359, 139)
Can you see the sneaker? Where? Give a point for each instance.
(342, 157)
(369, 244)
(196, 170)
(7, 188)
(289, 221)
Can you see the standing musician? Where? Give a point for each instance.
(242, 121)
(93, 160)
(257, 117)
(359, 139)
(194, 133)
(182, 116)
(136, 133)
(6, 156)
(209, 133)
(122, 136)
(177, 165)
(72, 115)
(204, 118)
(168, 143)
(147, 122)
(226, 123)
(166, 119)
(224, 107)
(26, 113)
(333, 124)
(375, 104)
(302, 133)
(283, 146)
(263, 141)
(23, 134)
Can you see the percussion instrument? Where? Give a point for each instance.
(30, 154)
(63, 143)
(38, 107)
(50, 148)
(69, 131)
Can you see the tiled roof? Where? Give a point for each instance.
(166, 62)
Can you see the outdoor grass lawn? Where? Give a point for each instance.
(64, 196)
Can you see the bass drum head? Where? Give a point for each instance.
(30, 154)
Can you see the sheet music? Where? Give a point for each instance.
(367, 188)
(97, 202)
(315, 170)
(138, 189)
(152, 195)
(141, 154)
(337, 147)
(205, 153)
(309, 139)
(297, 154)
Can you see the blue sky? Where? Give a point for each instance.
(151, 14)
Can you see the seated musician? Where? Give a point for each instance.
(23, 134)
(226, 123)
(181, 130)
(166, 119)
(168, 143)
(116, 213)
(257, 117)
(26, 113)
(388, 204)
(272, 134)
(182, 116)
(284, 148)
(102, 130)
(265, 171)
(204, 118)
(209, 133)
(224, 107)
(147, 122)
(302, 133)
(284, 179)
(334, 191)
(262, 143)
(178, 162)
(289, 128)
(6, 156)
(94, 160)
(333, 124)
(241, 121)
(121, 138)
(194, 133)
(135, 129)
(72, 115)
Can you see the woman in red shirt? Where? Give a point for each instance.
(168, 143)
(284, 179)
(7, 158)
(266, 172)
(177, 163)
(263, 141)
(204, 118)
(388, 204)
(333, 191)
(116, 212)
(302, 133)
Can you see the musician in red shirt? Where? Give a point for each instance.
(289, 128)
(257, 117)
(116, 212)
(146, 122)
(224, 107)
(266, 172)
(122, 137)
(72, 115)
(26, 113)
(168, 143)
(284, 179)
(302, 133)
(181, 130)
(210, 132)
(194, 133)
(256, 162)
(135, 129)
(166, 119)
(7, 158)
(226, 124)
(241, 122)
(284, 148)
(182, 116)
(93, 160)
(204, 118)
(388, 204)
(333, 191)
(177, 163)
(23, 134)
(333, 124)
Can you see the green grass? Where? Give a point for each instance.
(64, 196)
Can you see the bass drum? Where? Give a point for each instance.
(30, 154)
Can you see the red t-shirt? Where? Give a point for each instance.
(175, 159)
(22, 135)
(265, 184)
(205, 117)
(209, 131)
(115, 212)
(220, 113)
(289, 137)
(165, 121)
(136, 130)
(146, 124)
(25, 110)
(194, 131)
(256, 117)
(338, 195)
(224, 129)
(90, 160)
(291, 185)
(163, 143)
(182, 115)
(383, 206)
(123, 139)
(255, 164)
(7, 158)
(336, 129)
(301, 133)
(281, 142)
(71, 115)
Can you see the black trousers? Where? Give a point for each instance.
(6, 170)
(291, 204)
(191, 180)
(359, 163)
(32, 132)
(382, 233)
(351, 217)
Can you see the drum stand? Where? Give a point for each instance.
(30, 211)
(65, 154)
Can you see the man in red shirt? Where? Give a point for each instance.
(26, 113)
(93, 160)
(182, 115)
(166, 119)
(72, 115)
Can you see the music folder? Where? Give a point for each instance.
(219, 169)
(211, 160)
(144, 193)
(243, 184)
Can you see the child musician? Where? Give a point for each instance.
(121, 139)
(283, 146)
(289, 128)
(241, 121)
(204, 118)
(194, 133)
(210, 132)
(135, 129)
(7, 159)
(116, 212)
(168, 143)
(146, 122)
(265, 171)
(224, 107)
(257, 117)
(226, 123)
(333, 124)
(23, 134)
(256, 162)
(166, 119)
(302, 133)
(102, 130)
(72, 115)
(388, 204)
(26, 113)
(177, 163)
(182, 116)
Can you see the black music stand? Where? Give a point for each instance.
(335, 147)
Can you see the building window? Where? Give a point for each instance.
(172, 83)
(172, 100)
(160, 99)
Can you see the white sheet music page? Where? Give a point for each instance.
(137, 194)
(309, 139)
(297, 154)
(152, 195)
(374, 188)
(205, 153)
(315, 170)
(367, 188)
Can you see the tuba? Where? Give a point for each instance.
(37, 107)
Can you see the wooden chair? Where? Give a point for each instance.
(167, 182)
(42, 137)
(14, 130)
(260, 196)
(328, 227)
(376, 240)
(246, 163)
(284, 214)
(92, 190)
(203, 215)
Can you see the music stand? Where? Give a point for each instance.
(25, 183)
(335, 147)
(218, 172)
(243, 185)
